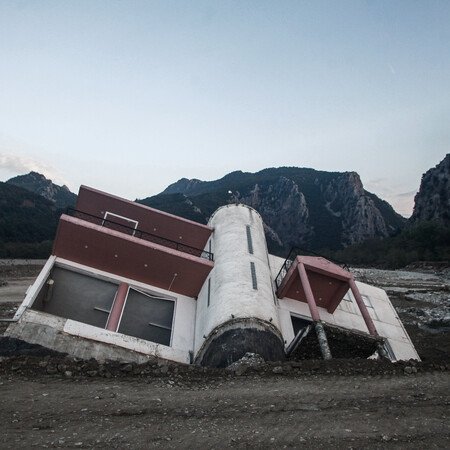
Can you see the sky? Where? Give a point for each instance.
(130, 96)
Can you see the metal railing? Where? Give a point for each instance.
(296, 251)
(136, 232)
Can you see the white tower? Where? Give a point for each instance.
(237, 307)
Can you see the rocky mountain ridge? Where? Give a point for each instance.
(27, 222)
(299, 206)
(432, 202)
(35, 182)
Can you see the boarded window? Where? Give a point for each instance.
(253, 272)
(209, 290)
(147, 317)
(79, 297)
(249, 240)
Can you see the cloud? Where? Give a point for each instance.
(12, 164)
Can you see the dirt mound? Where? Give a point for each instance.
(33, 360)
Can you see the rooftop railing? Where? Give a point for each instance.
(296, 251)
(136, 232)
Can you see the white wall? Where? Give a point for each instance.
(184, 312)
(86, 341)
(232, 291)
(348, 315)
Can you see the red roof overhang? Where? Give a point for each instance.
(150, 220)
(329, 282)
(118, 253)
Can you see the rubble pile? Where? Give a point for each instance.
(421, 297)
(32, 361)
(248, 360)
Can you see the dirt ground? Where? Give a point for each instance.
(245, 412)
(60, 402)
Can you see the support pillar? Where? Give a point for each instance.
(318, 326)
(308, 292)
(323, 341)
(116, 310)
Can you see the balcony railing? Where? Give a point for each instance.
(150, 237)
(296, 251)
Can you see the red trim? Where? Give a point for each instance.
(362, 308)
(118, 253)
(116, 311)
(328, 282)
(308, 293)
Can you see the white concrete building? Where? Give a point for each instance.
(128, 282)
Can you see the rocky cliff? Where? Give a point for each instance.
(299, 206)
(35, 182)
(432, 202)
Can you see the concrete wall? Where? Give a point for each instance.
(232, 293)
(85, 341)
(347, 315)
(29, 325)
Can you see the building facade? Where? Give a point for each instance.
(129, 282)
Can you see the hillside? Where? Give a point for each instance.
(426, 236)
(432, 202)
(299, 206)
(35, 182)
(27, 223)
(303, 207)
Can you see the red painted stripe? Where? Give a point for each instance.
(116, 312)
(308, 293)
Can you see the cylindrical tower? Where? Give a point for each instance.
(236, 309)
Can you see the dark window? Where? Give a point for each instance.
(299, 324)
(209, 290)
(79, 297)
(253, 271)
(147, 317)
(389, 350)
(249, 240)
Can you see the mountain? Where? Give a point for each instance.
(35, 182)
(299, 206)
(27, 223)
(304, 207)
(432, 202)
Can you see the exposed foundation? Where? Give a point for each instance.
(233, 340)
(342, 343)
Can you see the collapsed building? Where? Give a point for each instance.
(129, 282)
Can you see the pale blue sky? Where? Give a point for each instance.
(129, 96)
